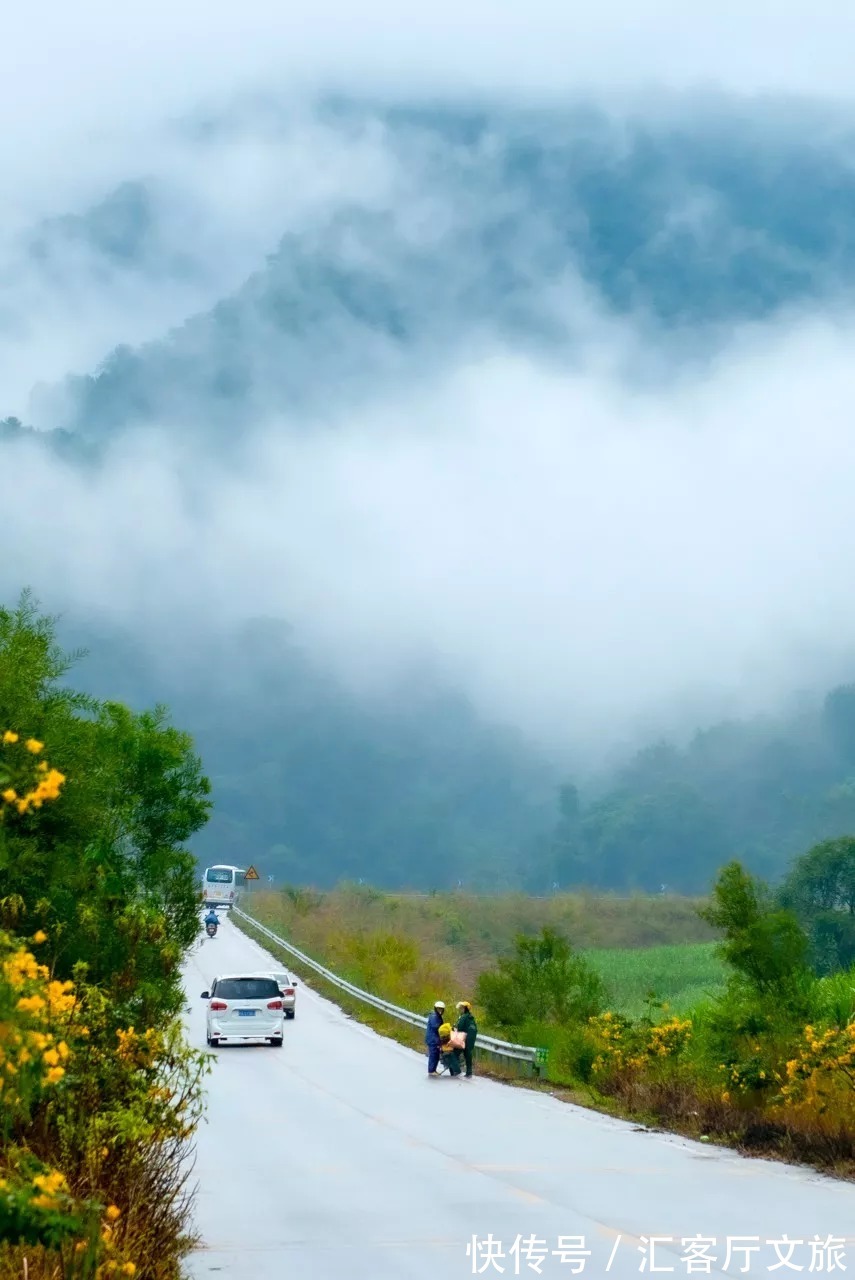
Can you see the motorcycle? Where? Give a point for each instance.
(211, 930)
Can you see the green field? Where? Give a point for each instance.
(679, 975)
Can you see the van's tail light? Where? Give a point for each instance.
(232, 894)
(289, 991)
(218, 1005)
(274, 1004)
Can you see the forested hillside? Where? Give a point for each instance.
(314, 786)
(728, 217)
(311, 784)
(762, 791)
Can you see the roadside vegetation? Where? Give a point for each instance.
(748, 1038)
(451, 938)
(99, 1093)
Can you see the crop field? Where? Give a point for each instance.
(680, 976)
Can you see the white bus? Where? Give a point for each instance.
(222, 885)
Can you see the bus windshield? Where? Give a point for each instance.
(219, 875)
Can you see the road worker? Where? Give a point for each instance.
(467, 1025)
(447, 1050)
(434, 1022)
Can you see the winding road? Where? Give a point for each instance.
(337, 1158)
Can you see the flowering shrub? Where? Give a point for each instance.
(35, 1015)
(36, 1024)
(105, 1111)
(626, 1046)
(95, 1115)
(821, 1077)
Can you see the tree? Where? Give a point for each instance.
(568, 804)
(765, 946)
(820, 890)
(104, 870)
(669, 836)
(838, 714)
(544, 980)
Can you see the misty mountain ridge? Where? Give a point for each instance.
(532, 233)
(510, 225)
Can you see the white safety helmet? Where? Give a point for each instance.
(439, 1004)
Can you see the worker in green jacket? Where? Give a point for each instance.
(469, 1027)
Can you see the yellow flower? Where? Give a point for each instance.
(50, 1182)
(45, 1202)
(20, 966)
(31, 1004)
(10, 795)
(60, 997)
(113, 1213)
(33, 745)
(48, 788)
(9, 737)
(55, 1075)
(129, 1269)
(49, 1185)
(39, 937)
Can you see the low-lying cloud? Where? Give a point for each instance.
(576, 553)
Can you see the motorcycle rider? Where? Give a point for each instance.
(212, 918)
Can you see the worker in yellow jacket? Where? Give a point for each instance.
(447, 1050)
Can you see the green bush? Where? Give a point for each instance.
(544, 980)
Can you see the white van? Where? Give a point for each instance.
(244, 1007)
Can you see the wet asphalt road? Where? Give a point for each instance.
(336, 1156)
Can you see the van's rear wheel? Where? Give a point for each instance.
(277, 1042)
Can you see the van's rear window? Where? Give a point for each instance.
(246, 989)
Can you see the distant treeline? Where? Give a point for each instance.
(761, 791)
(314, 787)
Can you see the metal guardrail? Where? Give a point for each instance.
(488, 1044)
